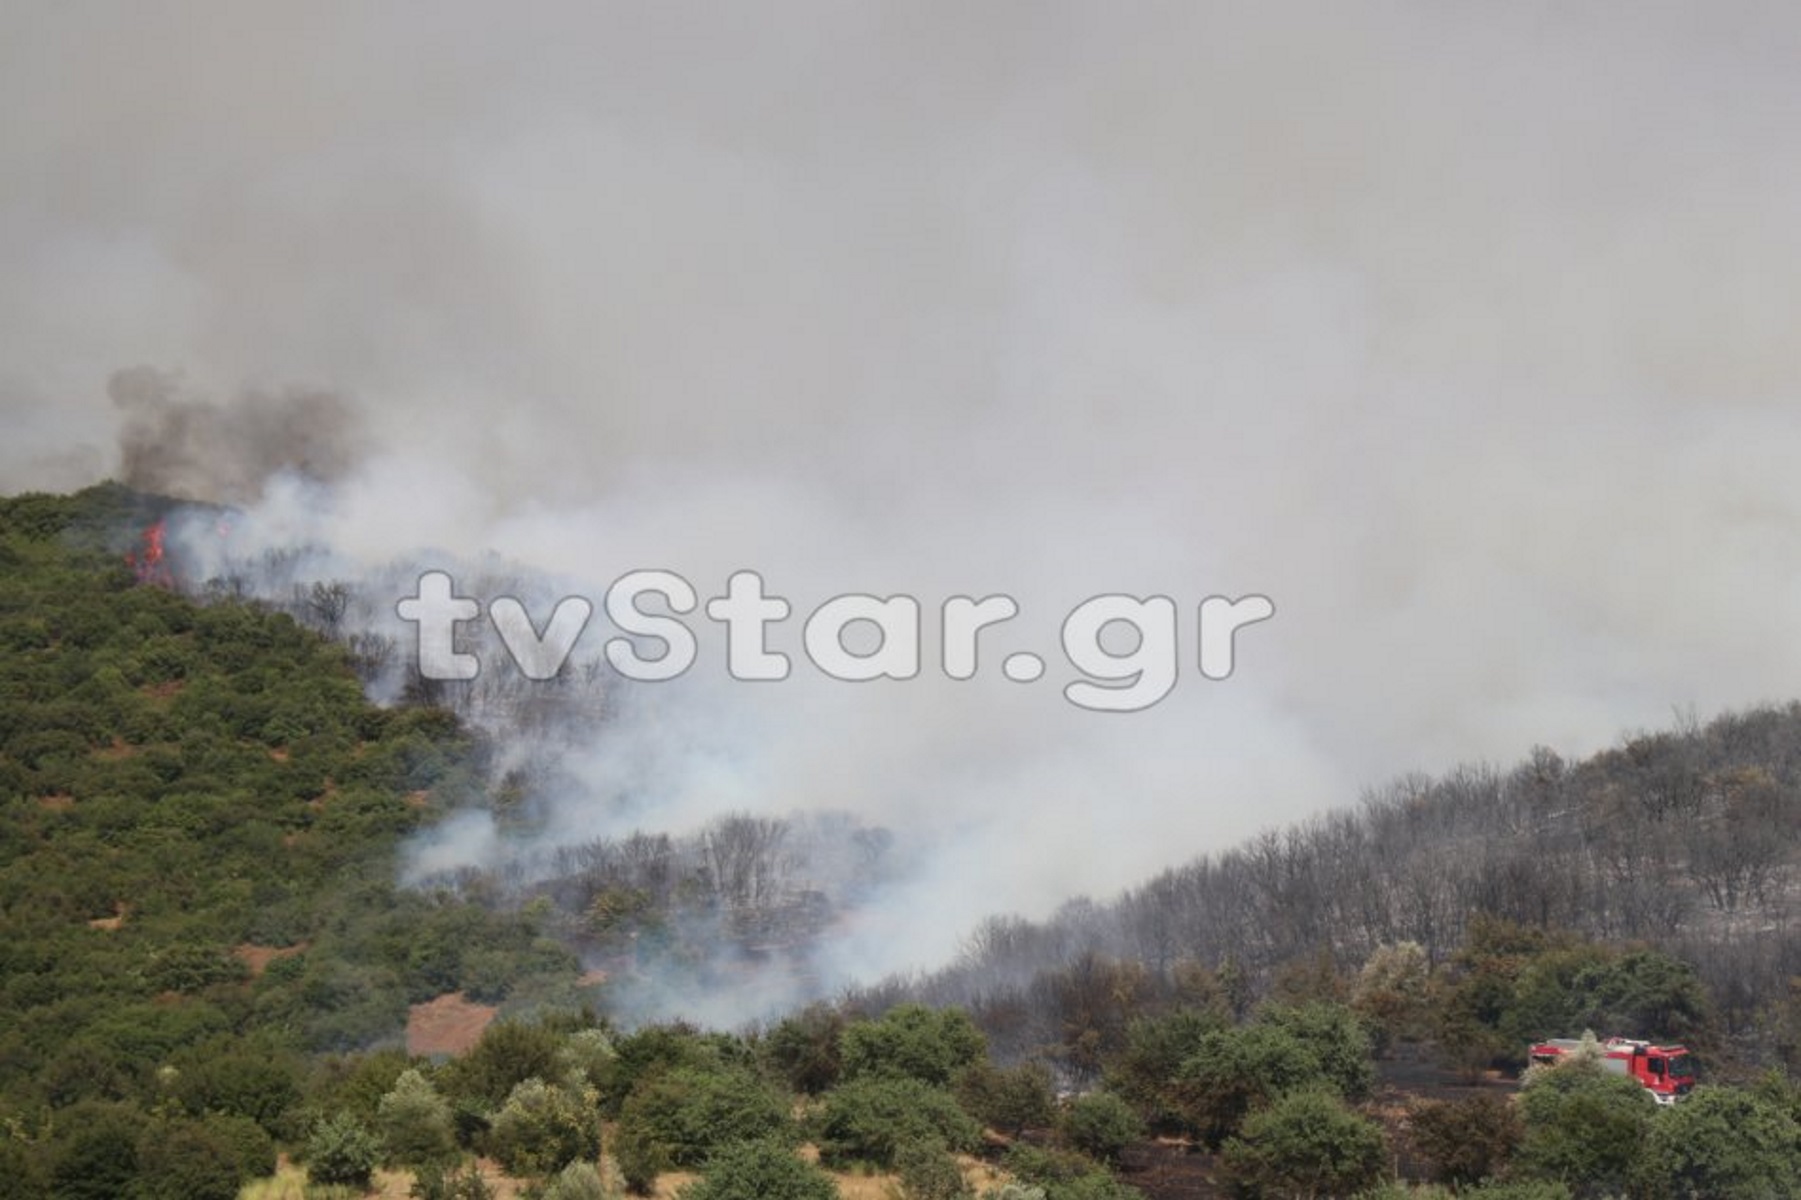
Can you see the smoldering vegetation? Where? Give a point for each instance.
(724, 918)
(737, 921)
(1688, 839)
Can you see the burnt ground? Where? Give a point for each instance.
(1167, 1169)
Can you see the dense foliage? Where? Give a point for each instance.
(199, 816)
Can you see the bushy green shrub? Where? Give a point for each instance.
(542, 1128)
(761, 1171)
(341, 1150)
(865, 1121)
(1584, 1127)
(691, 1111)
(1306, 1143)
(913, 1042)
(415, 1122)
(1101, 1125)
(1722, 1143)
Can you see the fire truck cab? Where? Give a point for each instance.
(1667, 1072)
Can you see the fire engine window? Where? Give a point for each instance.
(1657, 1066)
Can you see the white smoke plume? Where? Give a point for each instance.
(1464, 333)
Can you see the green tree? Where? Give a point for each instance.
(911, 1040)
(415, 1122)
(1647, 993)
(1065, 1175)
(804, 1047)
(865, 1121)
(508, 1054)
(690, 1112)
(543, 1128)
(1146, 1071)
(1584, 1127)
(99, 1158)
(1305, 1144)
(186, 1161)
(1392, 994)
(1101, 1124)
(1340, 1044)
(1236, 1070)
(1008, 1099)
(1722, 1143)
(342, 1150)
(928, 1172)
(761, 1171)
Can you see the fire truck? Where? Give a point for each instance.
(1668, 1072)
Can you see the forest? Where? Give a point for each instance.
(210, 949)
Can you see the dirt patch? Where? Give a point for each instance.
(450, 1024)
(258, 958)
(59, 802)
(280, 754)
(119, 749)
(113, 923)
(418, 799)
(164, 691)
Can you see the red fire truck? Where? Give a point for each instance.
(1668, 1072)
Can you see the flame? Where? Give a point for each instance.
(148, 563)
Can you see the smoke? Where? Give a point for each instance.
(193, 449)
(1463, 333)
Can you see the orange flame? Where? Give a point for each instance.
(148, 563)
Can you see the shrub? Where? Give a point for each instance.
(542, 1129)
(434, 1181)
(1307, 1143)
(341, 1150)
(1101, 1124)
(1340, 1044)
(1008, 1099)
(1156, 1047)
(914, 1042)
(1065, 1175)
(641, 1158)
(1723, 1144)
(761, 1171)
(867, 1120)
(691, 1112)
(415, 1122)
(186, 1161)
(578, 1181)
(1584, 1127)
(928, 1172)
(1236, 1070)
(1465, 1140)
(804, 1048)
(508, 1054)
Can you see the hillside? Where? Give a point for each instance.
(198, 850)
(207, 955)
(1686, 840)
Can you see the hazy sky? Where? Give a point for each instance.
(1467, 333)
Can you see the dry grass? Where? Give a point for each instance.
(289, 1182)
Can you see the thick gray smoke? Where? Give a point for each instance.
(1463, 332)
(171, 444)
